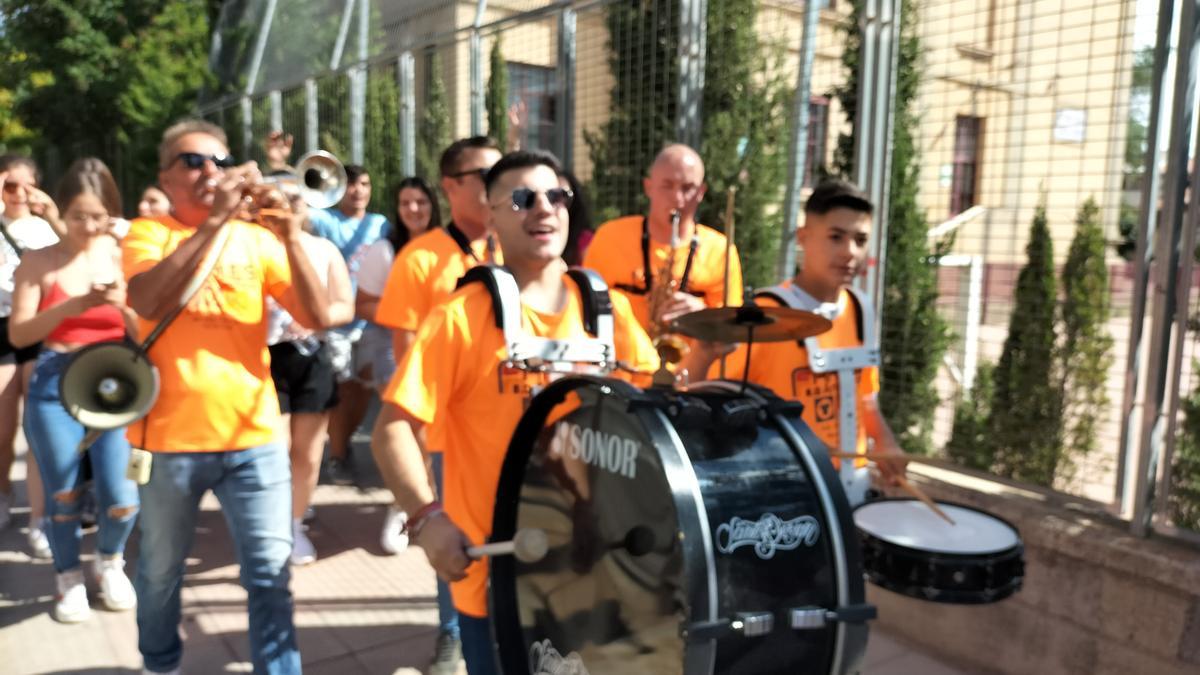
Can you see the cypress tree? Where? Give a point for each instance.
(1184, 499)
(495, 99)
(745, 104)
(433, 133)
(968, 444)
(642, 43)
(1086, 344)
(914, 335)
(1025, 427)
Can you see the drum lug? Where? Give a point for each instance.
(810, 618)
(746, 624)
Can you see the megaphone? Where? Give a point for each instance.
(108, 385)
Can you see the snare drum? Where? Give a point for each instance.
(689, 533)
(909, 549)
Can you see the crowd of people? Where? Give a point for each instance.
(276, 327)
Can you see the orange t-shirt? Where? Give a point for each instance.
(423, 276)
(783, 368)
(616, 253)
(215, 386)
(452, 376)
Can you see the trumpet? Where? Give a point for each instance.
(319, 180)
(671, 347)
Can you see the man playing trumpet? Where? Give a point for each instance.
(214, 425)
(634, 253)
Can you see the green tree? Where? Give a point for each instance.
(642, 42)
(1141, 77)
(745, 135)
(968, 444)
(495, 99)
(914, 335)
(1184, 499)
(1086, 352)
(1025, 427)
(433, 134)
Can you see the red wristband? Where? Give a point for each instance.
(417, 520)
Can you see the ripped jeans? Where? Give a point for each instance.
(54, 438)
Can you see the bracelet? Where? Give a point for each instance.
(417, 520)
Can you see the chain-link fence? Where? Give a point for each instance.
(1028, 125)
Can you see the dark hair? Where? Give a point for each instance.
(837, 194)
(452, 155)
(9, 161)
(580, 213)
(89, 175)
(520, 159)
(399, 234)
(354, 171)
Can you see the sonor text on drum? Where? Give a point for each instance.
(600, 449)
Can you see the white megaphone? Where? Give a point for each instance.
(108, 385)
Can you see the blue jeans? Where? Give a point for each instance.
(477, 648)
(447, 615)
(255, 491)
(54, 438)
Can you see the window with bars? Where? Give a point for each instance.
(818, 128)
(963, 190)
(537, 87)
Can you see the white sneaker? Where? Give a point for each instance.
(303, 551)
(393, 539)
(39, 545)
(5, 507)
(114, 585)
(72, 605)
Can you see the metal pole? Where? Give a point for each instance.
(693, 38)
(477, 111)
(312, 141)
(887, 57)
(798, 165)
(408, 112)
(358, 87)
(1148, 217)
(565, 110)
(260, 46)
(275, 109)
(247, 125)
(339, 45)
(1165, 273)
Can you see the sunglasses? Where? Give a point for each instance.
(524, 199)
(482, 172)
(195, 160)
(11, 186)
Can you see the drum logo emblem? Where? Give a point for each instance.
(545, 660)
(768, 534)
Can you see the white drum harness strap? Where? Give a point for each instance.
(592, 354)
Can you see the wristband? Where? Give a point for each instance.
(415, 522)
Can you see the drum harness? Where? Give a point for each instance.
(594, 354)
(846, 362)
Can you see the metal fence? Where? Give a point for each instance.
(1021, 105)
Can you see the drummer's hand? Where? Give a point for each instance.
(446, 547)
(680, 304)
(891, 471)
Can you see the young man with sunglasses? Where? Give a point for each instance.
(628, 252)
(422, 277)
(454, 377)
(215, 423)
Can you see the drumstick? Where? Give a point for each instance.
(900, 479)
(924, 498)
(528, 546)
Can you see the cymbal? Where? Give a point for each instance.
(735, 324)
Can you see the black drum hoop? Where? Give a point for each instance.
(948, 559)
(699, 656)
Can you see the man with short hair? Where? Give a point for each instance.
(423, 276)
(453, 376)
(215, 423)
(629, 252)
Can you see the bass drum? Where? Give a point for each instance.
(689, 532)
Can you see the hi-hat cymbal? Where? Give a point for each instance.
(740, 324)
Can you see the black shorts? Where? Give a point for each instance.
(305, 383)
(9, 353)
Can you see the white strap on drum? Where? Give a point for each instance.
(846, 362)
(530, 352)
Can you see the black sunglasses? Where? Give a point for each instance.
(523, 199)
(482, 172)
(195, 160)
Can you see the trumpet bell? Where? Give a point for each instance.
(108, 385)
(322, 179)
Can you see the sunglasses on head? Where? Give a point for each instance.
(196, 160)
(524, 199)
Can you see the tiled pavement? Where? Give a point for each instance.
(357, 610)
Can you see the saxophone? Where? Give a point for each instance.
(671, 346)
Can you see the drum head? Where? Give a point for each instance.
(610, 592)
(910, 523)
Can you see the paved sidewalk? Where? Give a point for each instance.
(357, 610)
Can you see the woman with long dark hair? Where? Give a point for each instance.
(68, 296)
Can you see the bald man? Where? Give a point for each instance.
(629, 252)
